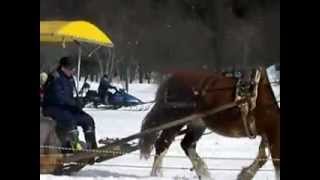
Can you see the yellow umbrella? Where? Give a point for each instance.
(72, 31)
(69, 31)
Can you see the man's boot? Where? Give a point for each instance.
(90, 138)
(73, 139)
(91, 143)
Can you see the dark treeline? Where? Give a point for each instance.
(157, 35)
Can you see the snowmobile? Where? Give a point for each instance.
(114, 99)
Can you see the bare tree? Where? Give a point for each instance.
(186, 34)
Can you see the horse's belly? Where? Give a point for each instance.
(226, 127)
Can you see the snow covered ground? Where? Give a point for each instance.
(118, 123)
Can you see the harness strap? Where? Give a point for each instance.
(249, 105)
(201, 90)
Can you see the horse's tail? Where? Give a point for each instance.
(154, 118)
(146, 142)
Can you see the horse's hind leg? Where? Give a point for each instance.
(161, 147)
(249, 172)
(188, 144)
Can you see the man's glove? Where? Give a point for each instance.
(75, 107)
(80, 103)
(78, 107)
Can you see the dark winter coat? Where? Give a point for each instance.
(104, 86)
(59, 103)
(58, 91)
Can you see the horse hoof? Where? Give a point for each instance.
(156, 174)
(244, 175)
(206, 178)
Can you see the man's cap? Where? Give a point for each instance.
(105, 76)
(67, 62)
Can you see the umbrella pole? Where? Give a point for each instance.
(79, 64)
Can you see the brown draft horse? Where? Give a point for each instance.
(217, 90)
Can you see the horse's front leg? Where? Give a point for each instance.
(161, 147)
(249, 172)
(188, 144)
(275, 154)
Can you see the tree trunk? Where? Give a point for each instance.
(148, 77)
(97, 78)
(112, 62)
(216, 22)
(245, 53)
(91, 77)
(131, 73)
(99, 62)
(107, 62)
(127, 73)
(140, 70)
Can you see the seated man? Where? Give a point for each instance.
(103, 90)
(59, 103)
